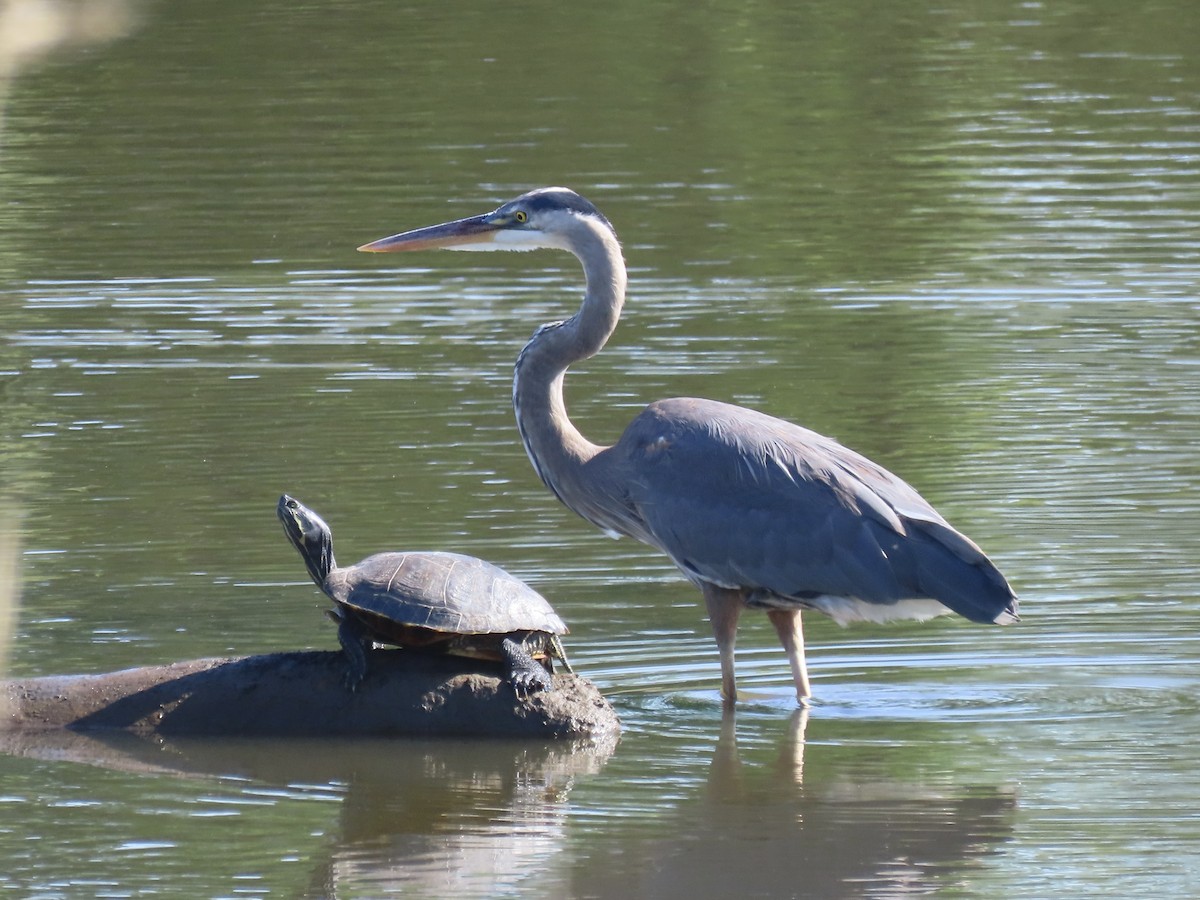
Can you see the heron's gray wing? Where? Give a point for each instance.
(743, 499)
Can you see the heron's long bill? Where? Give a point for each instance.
(474, 233)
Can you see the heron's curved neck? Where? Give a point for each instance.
(555, 446)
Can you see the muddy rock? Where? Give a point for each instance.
(303, 694)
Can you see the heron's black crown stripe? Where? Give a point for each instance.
(541, 200)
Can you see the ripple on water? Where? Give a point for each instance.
(1083, 681)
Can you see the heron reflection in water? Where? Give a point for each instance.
(755, 511)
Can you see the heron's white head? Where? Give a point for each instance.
(551, 217)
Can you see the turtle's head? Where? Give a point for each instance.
(310, 535)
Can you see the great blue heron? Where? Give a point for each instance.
(757, 512)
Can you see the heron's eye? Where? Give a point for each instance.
(521, 217)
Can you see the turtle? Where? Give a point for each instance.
(430, 600)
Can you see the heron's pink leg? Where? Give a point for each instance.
(791, 634)
(724, 607)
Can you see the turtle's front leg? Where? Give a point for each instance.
(526, 673)
(355, 644)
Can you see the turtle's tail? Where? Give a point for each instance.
(559, 653)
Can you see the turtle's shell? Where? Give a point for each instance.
(424, 597)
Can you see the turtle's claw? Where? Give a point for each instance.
(530, 681)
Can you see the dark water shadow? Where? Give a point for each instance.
(760, 831)
(430, 817)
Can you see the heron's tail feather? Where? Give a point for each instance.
(951, 568)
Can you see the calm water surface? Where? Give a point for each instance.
(963, 240)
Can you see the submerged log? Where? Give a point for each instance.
(303, 694)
